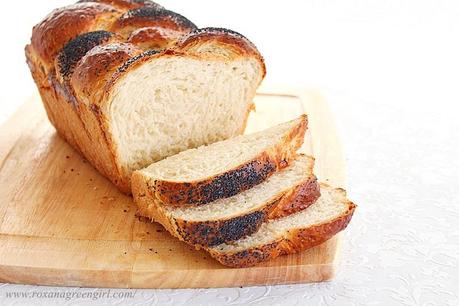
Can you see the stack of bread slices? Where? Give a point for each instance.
(245, 200)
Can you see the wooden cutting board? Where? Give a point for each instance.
(61, 223)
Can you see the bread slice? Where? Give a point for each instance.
(231, 218)
(222, 169)
(300, 231)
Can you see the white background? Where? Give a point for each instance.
(390, 71)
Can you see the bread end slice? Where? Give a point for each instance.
(303, 230)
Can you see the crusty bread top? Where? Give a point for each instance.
(203, 41)
(144, 24)
(148, 16)
(64, 24)
(91, 45)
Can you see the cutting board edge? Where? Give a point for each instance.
(291, 274)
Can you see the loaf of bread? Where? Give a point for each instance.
(305, 229)
(128, 82)
(286, 191)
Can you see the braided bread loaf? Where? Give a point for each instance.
(127, 82)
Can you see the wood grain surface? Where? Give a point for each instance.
(62, 223)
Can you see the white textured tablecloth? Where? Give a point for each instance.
(389, 70)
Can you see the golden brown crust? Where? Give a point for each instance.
(149, 16)
(154, 38)
(79, 127)
(237, 45)
(215, 232)
(64, 24)
(36, 68)
(293, 242)
(233, 181)
(97, 67)
(301, 198)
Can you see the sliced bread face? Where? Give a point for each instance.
(171, 102)
(197, 92)
(229, 219)
(223, 169)
(300, 231)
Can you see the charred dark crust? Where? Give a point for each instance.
(223, 186)
(150, 13)
(213, 233)
(233, 182)
(298, 240)
(76, 48)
